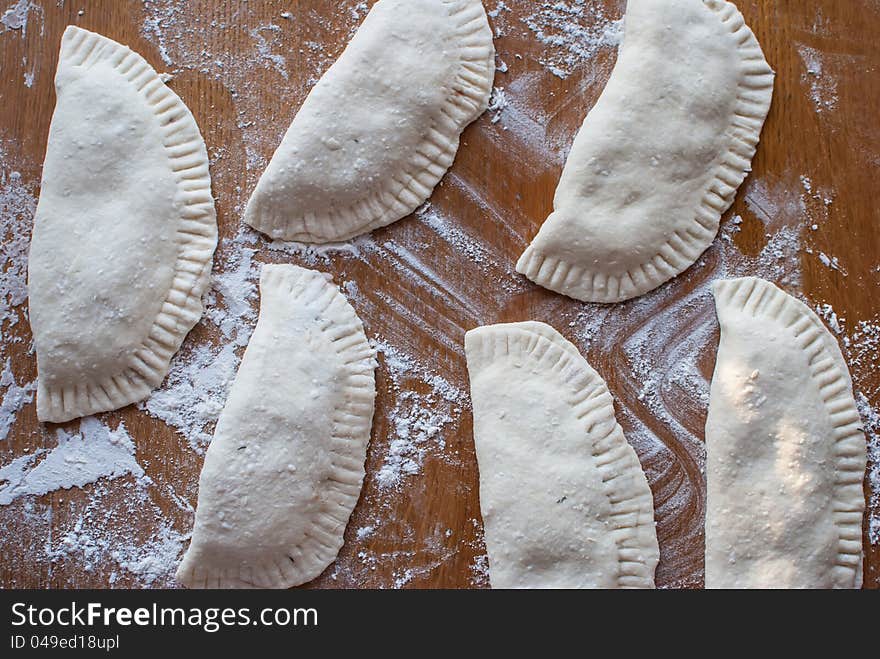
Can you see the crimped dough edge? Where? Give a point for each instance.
(350, 434)
(684, 247)
(624, 481)
(196, 238)
(828, 370)
(404, 191)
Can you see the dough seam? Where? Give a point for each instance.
(685, 246)
(351, 423)
(407, 190)
(632, 508)
(827, 369)
(196, 238)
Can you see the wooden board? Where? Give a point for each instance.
(245, 67)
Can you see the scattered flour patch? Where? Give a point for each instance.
(16, 16)
(864, 346)
(832, 263)
(265, 49)
(480, 570)
(434, 554)
(781, 208)
(529, 125)
(321, 254)
(779, 260)
(588, 322)
(102, 541)
(497, 104)
(500, 7)
(155, 560)
(365, 532)
(95, 452)
(775, 203)
(483, 255)
(159, 16)
(359, 10)
(17, 207)
(730, 229)
(499, 20)
(451, 233)
(822, 84)
(573, 32)
(15, 397)
(817, 202)
(194, 392)
(418, 420)
(230, 302)
(826, 311)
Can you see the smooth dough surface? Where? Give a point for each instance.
(660, 156)
(785, 448)
(124, 233)
(382, 126)
(565, 502)
(284, 470)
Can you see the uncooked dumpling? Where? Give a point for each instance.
(285, 468)
(124, 233)
(382, 126)
(660, 156)
(785, 449)
(564, 499)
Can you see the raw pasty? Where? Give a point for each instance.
(785, 449)
(285, 468)
(660, 156)
(382, 126)
(124, 234)
(564, 499)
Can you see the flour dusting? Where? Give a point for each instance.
(573, 33)
(93, 453)
(16, 16)
(14, 398)
(17, 207)
(822, 84)
(267, 39)
(107, 540)
(153, 560)
(497, 104)
(418, 419)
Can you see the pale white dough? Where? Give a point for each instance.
(284, 470)
(564, 499)
(785, 449)
(124, 233)
(660, 156)
(382, 126)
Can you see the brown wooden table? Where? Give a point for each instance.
(245, 67)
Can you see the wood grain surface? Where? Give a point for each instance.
(244, 68)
